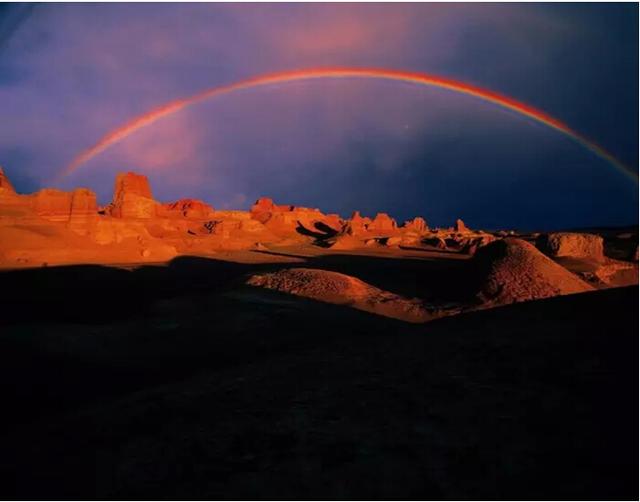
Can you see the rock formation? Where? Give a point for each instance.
(186, 208)
(294, 220)
(437, 242)
(262, 209)
(605, 273)
(6, 188)
(55, 227)
(83, 212)
(512, 270)
(471, 244)
(417, 224)
(78, 208)
(460, 227)
(572, 245)
(382, 223)
(334, 222)
(251, 226)
(132, 197)
(356, 225)
(344, 242)
(394, 241)
(52, 204)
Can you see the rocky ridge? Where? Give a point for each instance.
(53, 226)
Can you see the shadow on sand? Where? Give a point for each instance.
(94, 293)
(116, 383)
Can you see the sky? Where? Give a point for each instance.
(70, 73)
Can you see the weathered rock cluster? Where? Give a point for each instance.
(135, 226)
(49, 203)
(69, 225)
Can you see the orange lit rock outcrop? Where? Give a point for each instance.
(357, 224)
(418, 225)
(382, 223)
(6, 188)
(262, 209)
(132, 197)
(53, 226)
(84, 211)
(344, 242)
(52, 204)
(294, 220)
(185, 208)
(572, 245)
(460, 227)
(78, 208)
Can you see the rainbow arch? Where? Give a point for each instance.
(320, 73)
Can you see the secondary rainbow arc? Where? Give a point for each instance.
(320, 73)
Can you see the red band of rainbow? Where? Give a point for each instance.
(377, 73)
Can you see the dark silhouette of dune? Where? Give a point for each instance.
(180, 382)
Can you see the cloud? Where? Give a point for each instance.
(72, 72)
(169, 146)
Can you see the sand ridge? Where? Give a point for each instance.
(342, 289)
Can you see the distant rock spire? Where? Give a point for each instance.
(460, 226)
(6, 188)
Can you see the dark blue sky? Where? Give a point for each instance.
(69, 73)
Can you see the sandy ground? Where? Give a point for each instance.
(177, 380)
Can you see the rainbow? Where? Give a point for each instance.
(321, 73)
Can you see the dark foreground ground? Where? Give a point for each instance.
(169, 383)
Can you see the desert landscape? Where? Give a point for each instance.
(319, 251)
(170, 350)
(53, 228)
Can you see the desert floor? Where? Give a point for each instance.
(178, 380)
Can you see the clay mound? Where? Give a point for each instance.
(602, 274)
(344, 242)
(614, 273)
(341, 289)
(512, 270)
(572, 245)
